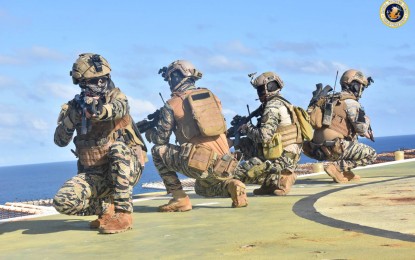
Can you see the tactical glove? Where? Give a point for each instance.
(94, 106)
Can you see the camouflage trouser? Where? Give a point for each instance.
(168, 160)
(90, 192)
(353, 154)
(257, 170)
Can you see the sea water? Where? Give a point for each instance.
(42, 181)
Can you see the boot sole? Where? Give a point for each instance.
(176, 210)
(103, 231)
(280, 193)
(333, 176)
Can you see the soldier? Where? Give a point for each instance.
(338, 119)
(271, 149)
(195, 116)
(111, 154)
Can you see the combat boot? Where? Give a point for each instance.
(108, 213)
(336, 174)
(236, 189)
(351, 176)
(287, 179)
(179, 203)
(121, 221)
(265, 189)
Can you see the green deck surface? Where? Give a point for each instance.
(372, 219)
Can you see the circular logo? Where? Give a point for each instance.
(394, 13)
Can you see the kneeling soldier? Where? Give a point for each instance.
(111, 152)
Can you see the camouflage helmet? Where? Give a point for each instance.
(89, 65)
(186, 68)
(352, 75)
(265, 78)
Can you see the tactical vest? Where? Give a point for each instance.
(92, 148)
(188, 129)
(290, 134)
(339, 122)
(284, 136)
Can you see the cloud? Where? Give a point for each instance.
(32, 55)
(310, 67)
(299, 48)
(140, 108)
(303, 48)
(8, 118)
(406, 58)
(216, 60)
(228, 112)
(221, 63)
(39, 124)
(42, 53)
(7, 82)
(387, 72)
(236, 47)
(59, 90)
(9, 60)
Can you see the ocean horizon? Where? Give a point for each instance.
(41, 181)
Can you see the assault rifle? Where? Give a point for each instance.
(370, 132)
(85, 103)
(151, 120)
(238, 121)
(362, 119)
(319, 92)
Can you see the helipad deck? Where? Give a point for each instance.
(372, 219)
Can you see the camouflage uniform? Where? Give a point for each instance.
(255, 168)
(91, 191)
(347, 153)
(195, 117)
(170, 158)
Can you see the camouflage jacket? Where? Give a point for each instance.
(275, 114)
(352, 110)
(112, 110)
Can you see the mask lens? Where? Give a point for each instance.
(272, 86)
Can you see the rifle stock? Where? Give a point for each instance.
(148, 123)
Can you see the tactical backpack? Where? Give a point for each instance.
(207, 112)
(297, 132)
(301, 116)
(330, 111)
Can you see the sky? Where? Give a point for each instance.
(304, 42)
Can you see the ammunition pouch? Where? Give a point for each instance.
(258, 170)
(200, 157)
(328, 150)
(93, 153)
(141, 156)
(273, 149)
(225, 167)
(316, 117)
